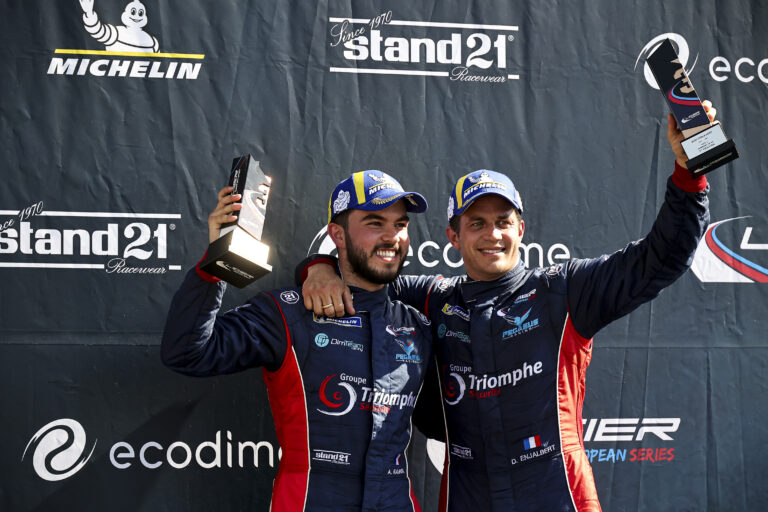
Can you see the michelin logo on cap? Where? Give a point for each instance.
(341, 202)
(372, 190)
(478, 183)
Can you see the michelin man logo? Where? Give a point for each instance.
(450, 208)
(341, 202)
(484, 176)
(129, 37)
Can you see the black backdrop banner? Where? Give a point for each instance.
(113, 155)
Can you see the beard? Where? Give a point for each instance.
(359, 262)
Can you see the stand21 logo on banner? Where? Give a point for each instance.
(385, 45)
(113, 242)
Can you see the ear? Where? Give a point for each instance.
(336, 232)
(521, 229)
(453, 237)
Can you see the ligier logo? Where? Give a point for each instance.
(681, 47)
(642, 431)
(58, 450)
(116, 243)
(385, 45)
(131, 37)
(233, 269)
(732, 251)
(526, 296)
(400, 331)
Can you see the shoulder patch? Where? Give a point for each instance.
(289, 297)
(554, 269)
(443, 284)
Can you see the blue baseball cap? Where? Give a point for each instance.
(371, 191)
(479, 183)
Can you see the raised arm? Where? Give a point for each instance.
(197, 342)
(603, 289)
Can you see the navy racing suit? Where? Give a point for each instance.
(341, 390)
(512, 356)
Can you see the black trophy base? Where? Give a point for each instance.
(712, 159)
(708, 150)
(237, 258)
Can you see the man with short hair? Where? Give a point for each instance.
(512, 344)
(342, 390)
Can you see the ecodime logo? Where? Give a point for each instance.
(58, 450)
(114, 242)
(129, 39)
(466, 52)
(322, 243)
(681, 46)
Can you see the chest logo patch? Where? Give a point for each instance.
(521, 324)
(455, 311)
(409, 354)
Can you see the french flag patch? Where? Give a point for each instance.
(532, 442)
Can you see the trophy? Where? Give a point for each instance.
(238, 256)
(706, 145)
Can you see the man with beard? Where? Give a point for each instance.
(342, 389)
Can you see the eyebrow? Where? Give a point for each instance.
(504, 216)
(376, 216)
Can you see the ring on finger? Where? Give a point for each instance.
(326, 306)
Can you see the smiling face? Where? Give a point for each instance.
(489, 236)
(373, 245)
(134, 15)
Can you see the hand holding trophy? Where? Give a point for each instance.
(705, 144)
(238, 256)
